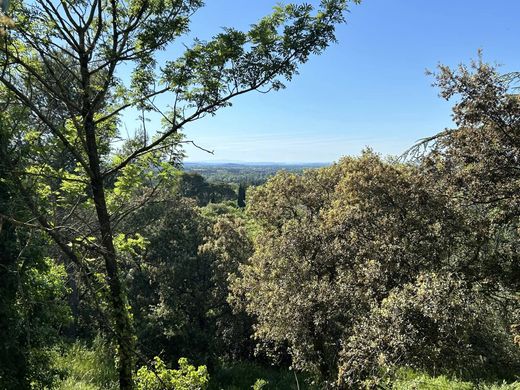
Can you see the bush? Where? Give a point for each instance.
(187, 377)
(439, 324)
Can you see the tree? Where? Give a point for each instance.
(476, 164)
(361, 266)
(193, 185)
(241, 195)
(442, 322)
(32, 295)
(179, 282)
(171, 285)
(61, 65)
(227, 246)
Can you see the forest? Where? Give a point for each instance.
(123, 267)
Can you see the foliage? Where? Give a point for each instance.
(192, 185)
(227, 246)
(33, 293)
(439, 324)
(93, 368)
(187, 377)
(31, 316)
(171, 285)
(346, 273)
(179, 289)
(476, 162)
(300, 282)
(476, 165)
(344, 247)
(260, 384)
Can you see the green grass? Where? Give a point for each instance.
(93, 368)
(84, 368)
(407, 379)
(243, 376)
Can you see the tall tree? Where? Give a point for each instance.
(61, 65)
(241, 201)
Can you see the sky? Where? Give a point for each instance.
(368, 90)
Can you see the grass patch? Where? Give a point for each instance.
(243, 376)
(407, 379)
(84, 368)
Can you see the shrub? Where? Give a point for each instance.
(187, 377)
(439, 324)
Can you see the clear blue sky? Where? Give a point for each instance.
(370, 89)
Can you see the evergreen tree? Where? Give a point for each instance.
(241, 195)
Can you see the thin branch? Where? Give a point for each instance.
(174, 129)
(128, 105)
(197, 146)
(27, 102)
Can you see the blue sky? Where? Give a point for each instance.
(370, 89)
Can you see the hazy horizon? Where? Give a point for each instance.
(241, 162)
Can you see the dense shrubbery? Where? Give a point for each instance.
(33, 298)
(439, 325)
(361, 267)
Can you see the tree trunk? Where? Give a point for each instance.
(120, 312)
(122, 320)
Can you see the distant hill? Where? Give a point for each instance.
(230, 163)
(251, 173)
